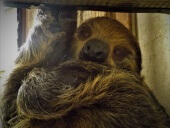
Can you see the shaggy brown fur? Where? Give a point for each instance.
(42, 92)
(86, 95)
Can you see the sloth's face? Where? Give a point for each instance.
(105, 40)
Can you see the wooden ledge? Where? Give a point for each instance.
(159, 6)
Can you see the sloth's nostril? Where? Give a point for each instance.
(99, 54)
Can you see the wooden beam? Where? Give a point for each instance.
(161, 6)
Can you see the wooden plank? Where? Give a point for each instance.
(100, 5)
(125, 19)
(120, 3)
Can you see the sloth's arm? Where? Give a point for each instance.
(48, 41)
(90, 93)
(47, 94)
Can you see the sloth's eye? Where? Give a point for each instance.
(84, 32)
(120, 52)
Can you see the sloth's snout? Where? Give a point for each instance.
(95, 50)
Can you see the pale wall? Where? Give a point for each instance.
(154, 38)
(8, 40)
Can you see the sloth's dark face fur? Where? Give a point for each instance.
(105, 40)
(100, 87)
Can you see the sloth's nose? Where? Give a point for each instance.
(95, 50)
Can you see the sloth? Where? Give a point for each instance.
(87, 77)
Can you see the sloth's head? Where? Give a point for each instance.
(105, 40)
